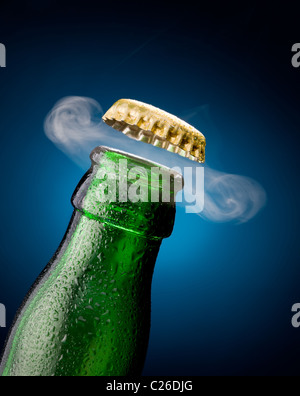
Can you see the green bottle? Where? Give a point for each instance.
(88, 314)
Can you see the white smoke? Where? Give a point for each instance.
(72, 125)
(75, 126)
(231, 197)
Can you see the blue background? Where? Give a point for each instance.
(222, 293)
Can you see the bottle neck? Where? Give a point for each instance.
(129, 193)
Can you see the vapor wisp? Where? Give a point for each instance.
(231, 197)
(75, 126)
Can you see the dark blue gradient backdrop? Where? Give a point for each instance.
(222, 293)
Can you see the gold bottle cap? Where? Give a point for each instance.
(149, 124)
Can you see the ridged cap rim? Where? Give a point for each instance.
(149, 124)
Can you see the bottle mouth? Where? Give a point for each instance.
(129, 192)
(97, 155)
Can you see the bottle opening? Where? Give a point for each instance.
(130, 192)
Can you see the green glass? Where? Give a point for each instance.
(88, 314)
